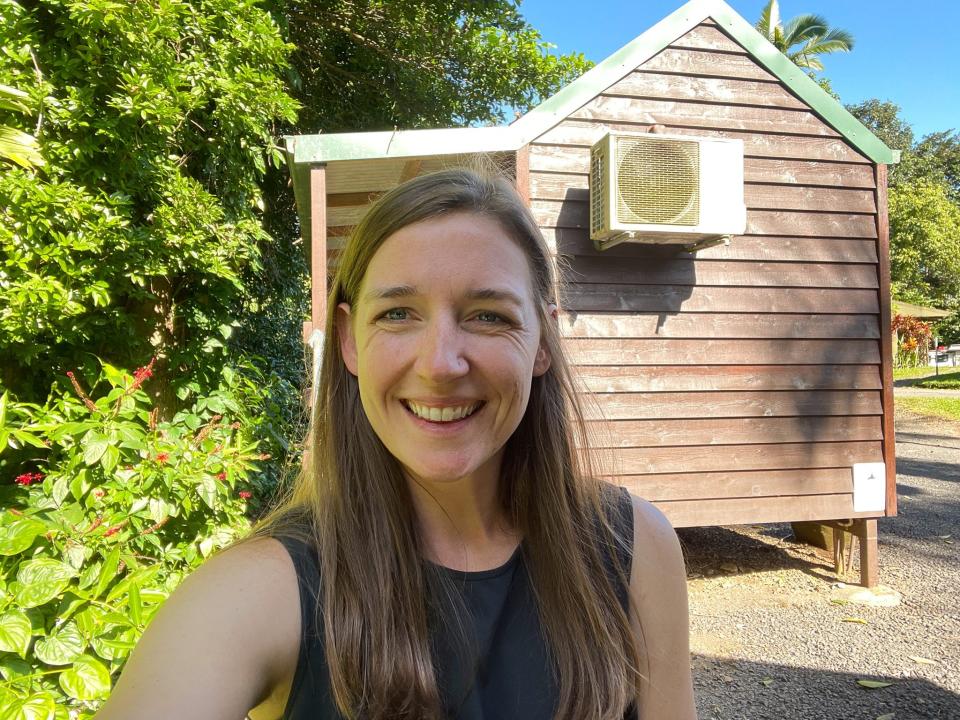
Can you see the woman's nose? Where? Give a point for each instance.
(440, 356)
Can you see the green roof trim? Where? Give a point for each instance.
(398, 144)
(309, 149)
(832, 112)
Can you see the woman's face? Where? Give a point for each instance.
(444, 338)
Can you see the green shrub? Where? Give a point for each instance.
(107, 511)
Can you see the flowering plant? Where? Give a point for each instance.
(912, 338)
(107, 510)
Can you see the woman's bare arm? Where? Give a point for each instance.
(660, 617)
(220, 645)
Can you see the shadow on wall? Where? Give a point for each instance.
(652, 278)
(727, 688)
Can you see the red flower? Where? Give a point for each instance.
(141, 374)
(162, 457)
(112, 531)
(245, 494)
(99, 492)
(222, 476)
(28, 478)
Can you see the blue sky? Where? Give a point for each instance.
(905, 52)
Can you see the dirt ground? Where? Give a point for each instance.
(773, 637)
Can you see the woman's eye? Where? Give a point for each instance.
(395, 314)
(489, 317)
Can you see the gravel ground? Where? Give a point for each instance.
(772, 638)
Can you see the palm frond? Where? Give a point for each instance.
(10, 99)
(769, 20)
(844, 41)
(803, 27)
(19, 147)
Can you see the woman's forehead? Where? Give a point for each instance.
(469, 252)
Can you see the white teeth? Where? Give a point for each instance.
(447, 414)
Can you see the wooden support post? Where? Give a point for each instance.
(521, 172)
(866, 531)
(313, 330)
(886, 337)
(318, 246)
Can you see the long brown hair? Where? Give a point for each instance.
(375, 586)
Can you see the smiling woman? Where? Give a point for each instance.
(447, 552)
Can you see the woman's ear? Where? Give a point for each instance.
(541, 363)
(348, 343)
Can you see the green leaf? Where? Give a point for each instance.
(140, 577)
(94, 449)
(873, 684)
(40, 706)
(207, 490)
(109, 572)
(133, 602)
(42, 580)
(61, 488)
(79, 485)
(90, 575)
(87, 679)
(19, 535)
(110, 458)
(3, 409)
(62, 648)
(14, 669)
(15, 632)
(158, 509)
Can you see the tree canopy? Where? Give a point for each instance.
(380, 64)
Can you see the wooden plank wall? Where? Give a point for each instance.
(355, 184)
(743, 382)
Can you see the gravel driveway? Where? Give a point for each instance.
(772, 638)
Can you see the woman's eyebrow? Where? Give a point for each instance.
(403, 291)
(391, 293)
(495, 294)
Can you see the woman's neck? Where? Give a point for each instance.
(462, 523)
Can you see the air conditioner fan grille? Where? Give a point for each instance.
(658, 181)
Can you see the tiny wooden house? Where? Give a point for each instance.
(747, 382)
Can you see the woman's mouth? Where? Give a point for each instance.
(446, 414)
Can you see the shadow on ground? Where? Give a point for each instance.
(777, 692)
(768, 548)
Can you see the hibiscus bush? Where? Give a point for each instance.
(103, 510)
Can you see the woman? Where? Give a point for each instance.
(471, 564)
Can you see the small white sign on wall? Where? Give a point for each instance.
(869, 487)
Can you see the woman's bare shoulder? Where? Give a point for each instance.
(222, 642)
(659, 615)
(655, 540)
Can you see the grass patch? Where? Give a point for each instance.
(938, 407)
(945, 381)
(908, 373)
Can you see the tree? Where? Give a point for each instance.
(924, 244)
(133, 240)
(935, 157)
(383, 64)
(811, 33)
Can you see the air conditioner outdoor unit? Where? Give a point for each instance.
(653, 188)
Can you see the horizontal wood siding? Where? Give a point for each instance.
(738, 384)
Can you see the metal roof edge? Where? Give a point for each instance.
(807, 89)
(601, 76)
(321, 148)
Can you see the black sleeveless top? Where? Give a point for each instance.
(506, 673)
